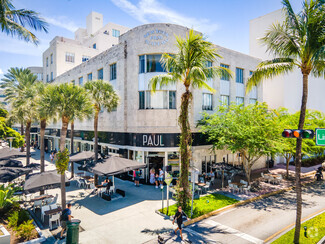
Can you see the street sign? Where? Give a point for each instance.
(320, 136)
(168, 179)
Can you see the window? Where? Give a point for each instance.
(47, 78)
(225, 75)
(81, 81)
(239, 75)
(51, 76)
(141, 100)
(209, 65)
(94, 46)
(172, 99)
(47, 62)
(224, 100)
(51, 58)
(85, 58)
(39, 76)
(100, 74)
(153, 63)
(73, 82)
(69, 57)
(115, 33)
(239, 100)
(112, 73)
(252, 100)
(142, 67)
(251, 73)
(207, 101)
(90, 76)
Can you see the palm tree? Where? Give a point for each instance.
(14, 21)
(188, 67)
(103, 97)
(69, 100)
(20, 91)
(299, 42)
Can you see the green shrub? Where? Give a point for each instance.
(25, 230)
(17, 218)
(308, 162)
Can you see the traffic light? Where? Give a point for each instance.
(305, 134)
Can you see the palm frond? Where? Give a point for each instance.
(160, 81)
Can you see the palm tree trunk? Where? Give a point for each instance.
(96, 134)
(63, 136)
(22, 133)
(42, 133)
(298, 157)
(71, 148)
(185, 150)
(96, 141)
(27, 138)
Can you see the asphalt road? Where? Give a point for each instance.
(254, 222)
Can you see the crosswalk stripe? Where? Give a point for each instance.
(234, 231)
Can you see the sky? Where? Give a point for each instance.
(223, 22)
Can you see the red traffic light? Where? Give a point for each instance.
(287, 133)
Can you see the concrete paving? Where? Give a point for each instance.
(131, 219)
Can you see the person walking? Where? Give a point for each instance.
(161, 176)
(65, 217)
(179, 220)
(157, 180)
(152, 176)
(137, 177)
(52, 157)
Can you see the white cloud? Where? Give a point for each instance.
(62, 22)
(1, 72)
(147, 11)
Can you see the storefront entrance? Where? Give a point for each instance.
(156, 163)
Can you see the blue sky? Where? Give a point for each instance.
(224, 22)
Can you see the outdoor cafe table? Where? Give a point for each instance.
(91, 180)
(53, 211)
(201, 184)
(87, 177)
(273, 175)
(240, 185)
(41, 198)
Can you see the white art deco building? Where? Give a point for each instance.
(144, 126)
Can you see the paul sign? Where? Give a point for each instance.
(152, 140)
(156, 37)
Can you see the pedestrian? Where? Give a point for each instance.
(152, 176)
(137, 177)
(161, 176)
(52, 157)
(65, 218)
(157, 180)
(179, 220)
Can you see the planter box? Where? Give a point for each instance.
(5, 238)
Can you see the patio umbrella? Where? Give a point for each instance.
(82, 156)
(11, 163)
(116, 165)
(8, 174)
(43, 181)
(6, 153)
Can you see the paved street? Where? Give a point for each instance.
(254, 222)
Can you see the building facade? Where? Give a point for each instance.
(63, 53)
(144, 126)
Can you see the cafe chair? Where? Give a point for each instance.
(112, 189)
(43, 210)
(55, 199)
(37, 204)
(53, 206)
(247, 189)
(54, 218)
(48, 201)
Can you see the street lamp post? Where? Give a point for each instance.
(162, 198)
(10, 141)
(194, 175)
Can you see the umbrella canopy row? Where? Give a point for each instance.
(11, 163)
(43, 181)
(116, 165)
(8, 174)
(82, 156)
(7, 153)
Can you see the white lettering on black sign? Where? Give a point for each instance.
(156, 37)
(152, 141)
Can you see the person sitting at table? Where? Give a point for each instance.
(105, 181)
(108, 185)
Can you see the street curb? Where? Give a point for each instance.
(321, 241)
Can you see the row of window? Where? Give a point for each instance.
(48, 79)
(100, 75)
(167, 100)
(47, 60)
